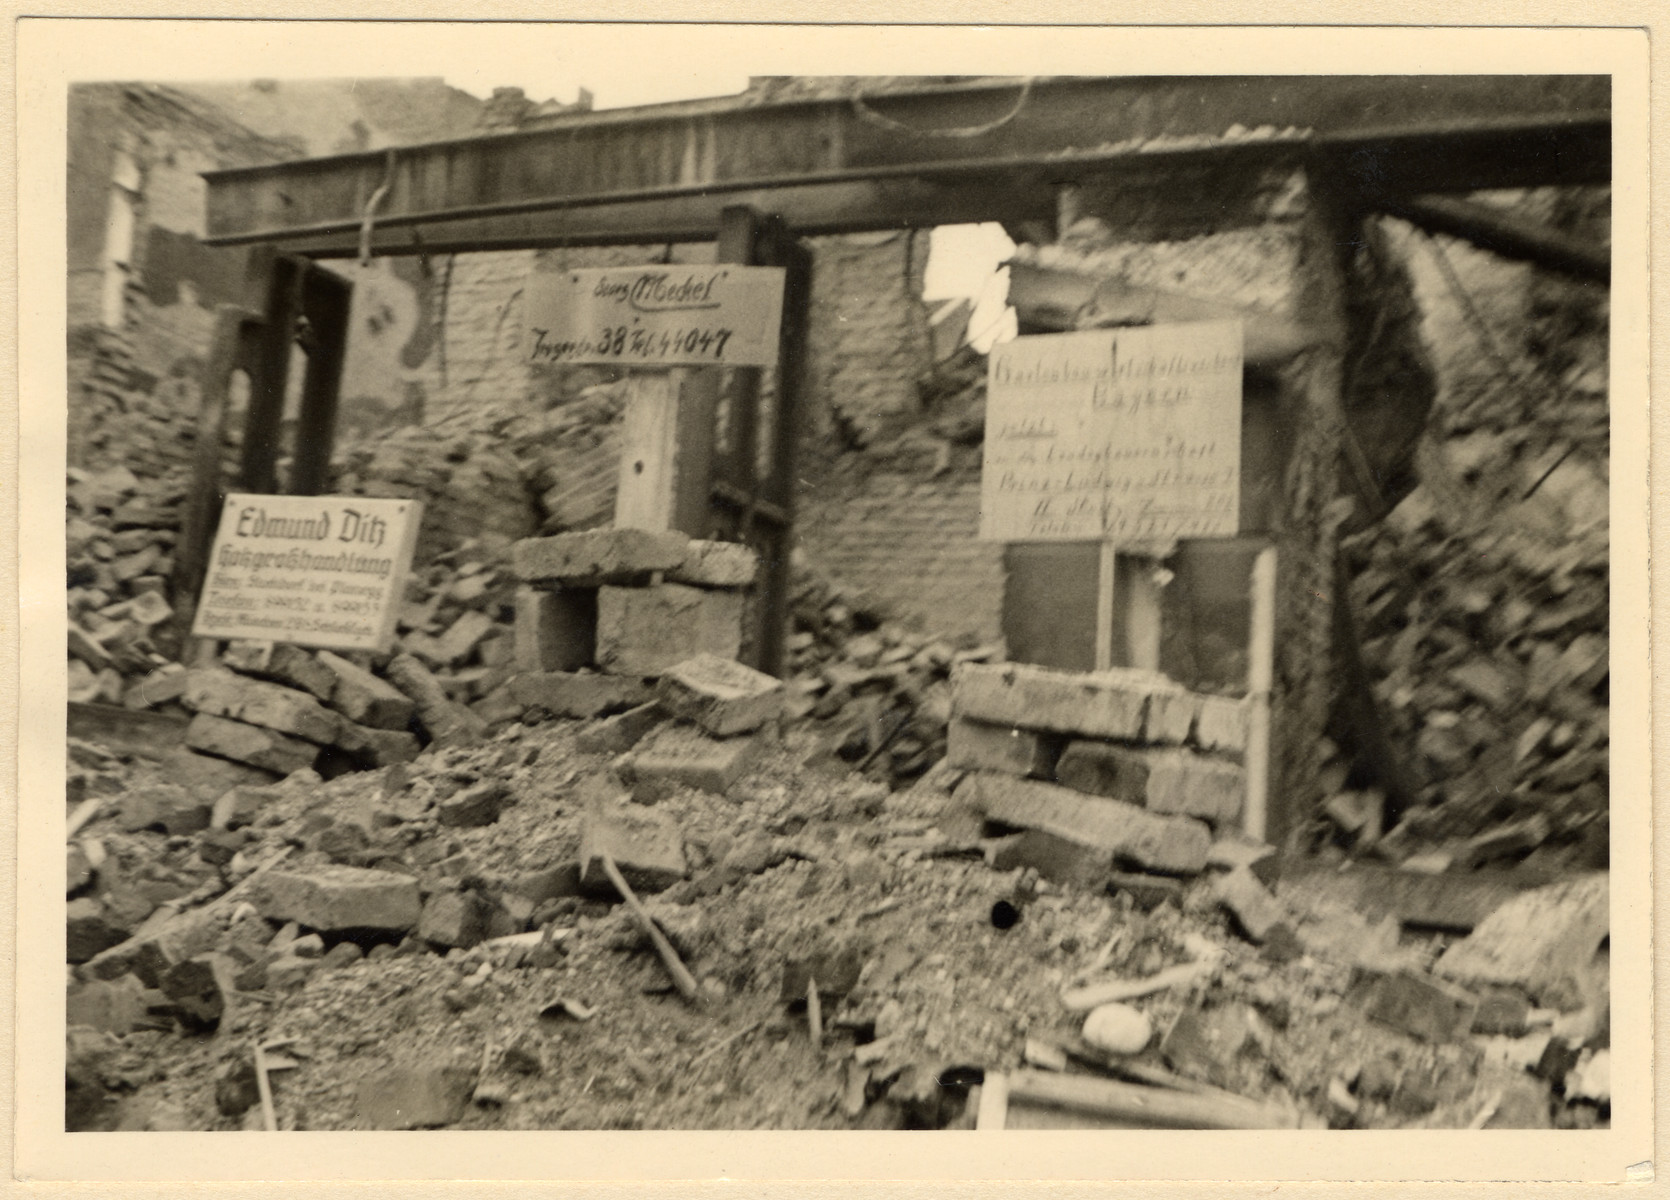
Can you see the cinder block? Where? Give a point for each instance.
(685, 755)
(1101, 704)
(976, 746)
(644, 631)
(335, 898)
(221, 693)
(555, 630)
(1222, 724)
(599, 556)
(720, 695)
(717, 565)
(1174, 845)
(365, 699)
(264, 748)
(569, 694)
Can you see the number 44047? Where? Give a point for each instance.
(665, 343)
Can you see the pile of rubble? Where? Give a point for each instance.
(444, 942)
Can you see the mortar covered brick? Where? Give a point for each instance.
(1222, 724)
(683, 754)
(1197, 786)
(644, 631)
(717, 564)
(251, 744)
(645, 844)
(221, 693)
(720, 695)
(365, 699)
(599, 556)
(1102, 704)
(572, 694)
(335, 898)
(978, 746)
(1169, 844)
(1171, 716)
(555, 630)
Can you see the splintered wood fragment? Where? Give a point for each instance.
(814, 1012)
(84, 812)
(1094, 995)
(993, 1112)
(1152, 1107)
(682, 979)
(263, 1064)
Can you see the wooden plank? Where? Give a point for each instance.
(648, 452)
(1142, 1106)
(1503, 233)
(269, 375)
(1142, 614)
(326, 299)
(1107, 575)
(1453, 901)
(1261, 664)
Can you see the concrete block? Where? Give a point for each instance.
(365, 699)
(1171, 717)
(282, 663)
(164, 938)
(1169, 844)
(1196, 786)
(572, 694)
(448, 722)
(1101, 704)
(370, 748)
(621, 732)
(644, 631)
(684, 755)
(717, 565)
(1057, 859)
(977, 746)
(645, 844)
(1221, 724)
(264, 748)
(720, 695)
(463, 635)
(598, 556)
(555, 630)
(1543, 941)
(1418, 1004)
(208, 778)
(175, 809)
(222, 693)
(332, 899)
(426, 1097)
(1101, 769)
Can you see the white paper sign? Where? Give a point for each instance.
(1125, 435)
(326, 571)
(723, 315)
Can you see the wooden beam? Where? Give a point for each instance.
(1139, 1106)
(326, 299)
(1503, 233)
(1391, 133)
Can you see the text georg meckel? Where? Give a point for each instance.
(356, 528)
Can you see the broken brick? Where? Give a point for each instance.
(475, 806)
(1056, 859)
(449, 723)
(283, 663)
(621, 732)
(413, 1097)
(599, 556)
(645, 844)
(370, 747)
(1417, 1004)
(89, 931)
(1543, 941)
(463, 635)
(716, 565)
(251, 744)
(644, 631)
(1101, 704)
(722, 696)
(456, 919)
(173, 808)
(1209, 1043)
(1148, 891)
(1256, 911)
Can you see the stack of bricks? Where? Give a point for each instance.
(598, 612)
(1126, 762)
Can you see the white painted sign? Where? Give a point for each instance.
(669, 316)
(326, 571)
(1130, 436)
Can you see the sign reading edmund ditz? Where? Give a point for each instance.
(659, 316)
(326, 571)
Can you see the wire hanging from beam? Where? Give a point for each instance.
(863, 109)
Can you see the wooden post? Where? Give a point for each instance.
(269, 375)
(1106, 576)
(1142, 615)
(326, 298)
(649, 449)
(1261, 660)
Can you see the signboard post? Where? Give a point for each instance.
(322, 571)
(1128, 437)
(667, 316)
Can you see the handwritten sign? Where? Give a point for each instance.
(1131, 436)
(723, 315)
(324, 571)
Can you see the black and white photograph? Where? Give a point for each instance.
(710, 580)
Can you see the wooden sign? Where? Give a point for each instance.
(327, 571)
(659, 316)
(1127, 436)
